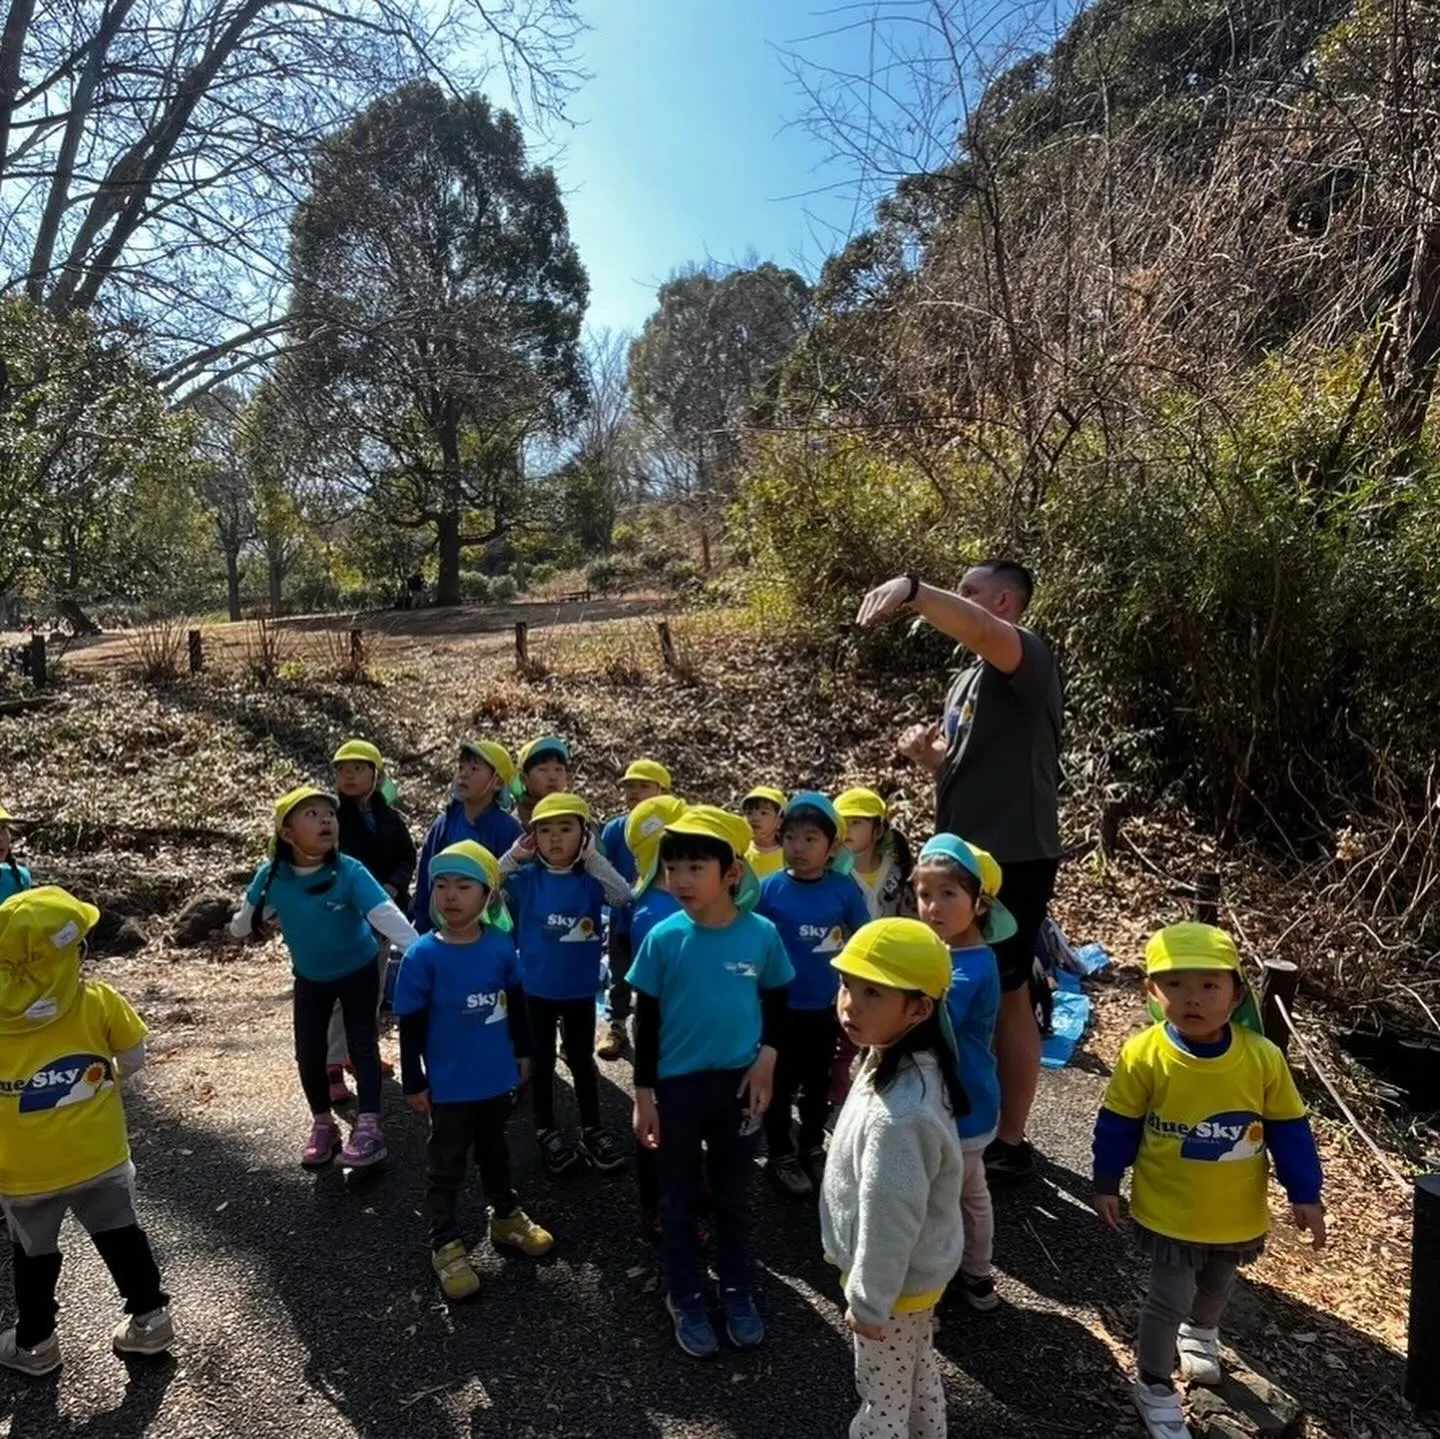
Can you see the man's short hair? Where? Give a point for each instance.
(1013, 576)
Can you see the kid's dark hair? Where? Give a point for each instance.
(808, 814)
(285, 855)
(677, 847)
(15, 871)
(927, 1035)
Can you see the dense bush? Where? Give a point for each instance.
(1248, 614)
(475, 588)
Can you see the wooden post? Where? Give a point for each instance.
(1422, 1373)
(667, 646)
(1281, 981)
(1207, 897)
(197, 652)
(1111, 813)
(522, 643)
(36, 664)
(357, 650)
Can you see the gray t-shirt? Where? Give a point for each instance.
(999, 785)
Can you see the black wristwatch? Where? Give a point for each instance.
(913, 590)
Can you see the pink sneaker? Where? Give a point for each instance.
(366, 1145)
(323, 1144)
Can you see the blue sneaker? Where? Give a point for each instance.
(693, 1331)
(742, 1321)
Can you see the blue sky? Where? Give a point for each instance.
(688, 146)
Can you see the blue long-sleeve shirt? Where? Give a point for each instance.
(492, 827)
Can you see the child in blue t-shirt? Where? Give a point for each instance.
(327, 904)
(464, 1050)
(477, 810)
(643, 779)
(955, 889)
(710, 994)
(13, 877)
(816, 906)
(557, 883)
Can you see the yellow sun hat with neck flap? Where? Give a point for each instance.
(41, 934)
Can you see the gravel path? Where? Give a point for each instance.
(305, 1305)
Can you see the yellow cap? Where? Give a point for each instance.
(1191, 946)
(900, 953)
(295, 798)
(861, 804)
(495, 755)
(714, 823)
(647, 771)
(40, 935)
(554, 806)
(768, 794)
(360, 750)
(469, 859)
(644, 827)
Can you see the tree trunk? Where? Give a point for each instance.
(232, 583)
(276, 571)
(447, 579)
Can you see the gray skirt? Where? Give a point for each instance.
(1161, 1249)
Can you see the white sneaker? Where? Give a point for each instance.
(1161, 1412)
(44, 1358)
(1199, 1353)
(147, 1334)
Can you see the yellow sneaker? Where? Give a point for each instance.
(458, 1279)
(521, 1232)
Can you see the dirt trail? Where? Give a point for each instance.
(387, 632)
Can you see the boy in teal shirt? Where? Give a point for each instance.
(709, 996)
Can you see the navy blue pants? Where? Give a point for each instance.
(705, 1132)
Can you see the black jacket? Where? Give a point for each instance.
(387, 850)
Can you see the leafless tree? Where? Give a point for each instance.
(151, 151)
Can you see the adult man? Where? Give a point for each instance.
(996, 759)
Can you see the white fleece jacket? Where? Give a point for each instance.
(890, 1203)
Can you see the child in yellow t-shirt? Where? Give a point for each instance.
(1197, 1104)
(763, 808)
(65, 1046)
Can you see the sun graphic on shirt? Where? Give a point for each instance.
(580, 932)
(1255, 1133)
(94, 1074)
(833, 942)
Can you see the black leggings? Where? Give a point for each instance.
(358, 996)
(457, 1130)
(802, 1080)
(575, 1018)
(127, 1256)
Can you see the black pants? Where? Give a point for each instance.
(575, 1018)
(127, 1256)
(802, 1071)
(617, 1011)
(358, 995)
(455, 1130)
(705, 1132)
(1026, 889)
